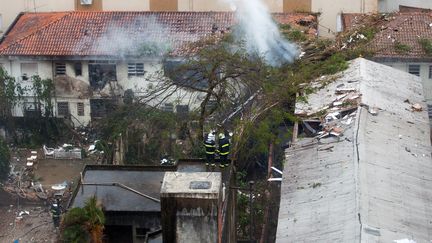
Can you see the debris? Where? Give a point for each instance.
(25, 212)
(328, 147)
(417, 107)
(332, 116)
(373, 111)
(407, 149)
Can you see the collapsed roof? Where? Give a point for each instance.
(122, 33)
(367, 176)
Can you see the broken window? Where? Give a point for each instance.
(192, 77)
(78, 68)
(101, 107)
(28, 70)
(60, 68)
(414, 69)
(62, 109)
(80, 109)
(135, 69)
(101, 72)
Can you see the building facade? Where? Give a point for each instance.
(98, 59)
(388, 6)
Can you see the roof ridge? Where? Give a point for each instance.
(36, 31)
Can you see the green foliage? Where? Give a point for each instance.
(4, 160)
(426, 45)
(402, 48)
(296, 35)
(10, 94)
(84, 224)
(334, 64)
(147, 132)
(44, 92)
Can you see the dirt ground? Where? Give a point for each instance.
(51, 171)
(35, 227)
(38, 225)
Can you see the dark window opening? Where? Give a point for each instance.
(80, 109)
(102, 107)
(414, 69)
(430, 72)
(191, 77)
(60, 69)
(78, 69)
(101, 72)
(182, 110)
(135, 69)
(63, 109)
(30, 109)
(429, 107)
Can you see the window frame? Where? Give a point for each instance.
(59, 69)
(410, 71)
(60, 110)
(134, 70)
(78, 69)
(80, 109)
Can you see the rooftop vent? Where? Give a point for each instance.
(197, 185)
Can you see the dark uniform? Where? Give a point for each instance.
(55, 210)
(224, 150)
(210, 148)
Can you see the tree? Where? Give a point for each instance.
(4, 160)
(10, 94)
(220, 71)
(84, 224)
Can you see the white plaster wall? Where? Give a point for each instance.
(393, 5)
(129, 5)
(424, 75)
(222, 5)
(329, 12)
(140, 85)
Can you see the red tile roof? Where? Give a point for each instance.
(104, 33)
(404, 28)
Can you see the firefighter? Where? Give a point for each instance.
(210, 149)
(223, 150)
(56, 211)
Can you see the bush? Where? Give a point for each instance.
(4, 160)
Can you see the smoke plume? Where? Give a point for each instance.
(261, 34)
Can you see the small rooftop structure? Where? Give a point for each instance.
(367, 175)
(191, 206)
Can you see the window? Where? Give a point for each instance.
(80, 109)
(86, 2)
(168, 107)
(78, 69)
(429, 107)
(62, 109)
(28, 70)
(60, 68)
(101, 72)
(414, 69)
(135, 69)
(430, 72)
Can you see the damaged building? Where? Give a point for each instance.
(403, 41)
(363, 173)
(94, 58)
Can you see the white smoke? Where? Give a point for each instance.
(260, 33)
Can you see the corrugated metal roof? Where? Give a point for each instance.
(374, 183)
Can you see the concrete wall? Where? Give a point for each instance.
(163, 5)
(297, 5)
(329, 12)
(9, 11)
(95, 6)
(393, 5)
(132, 5)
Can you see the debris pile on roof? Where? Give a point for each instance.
(363, 167)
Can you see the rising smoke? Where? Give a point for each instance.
(261, 34)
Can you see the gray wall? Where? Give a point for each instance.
(393, 5)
